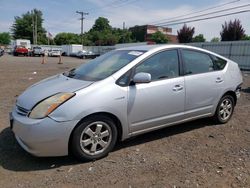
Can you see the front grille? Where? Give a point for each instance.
(22, 111)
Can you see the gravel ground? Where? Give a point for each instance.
(194, 154)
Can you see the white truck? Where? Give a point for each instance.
(21, 47)
(71, 49)
(21, 42)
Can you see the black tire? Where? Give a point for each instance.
(221, 111)
(82, 152)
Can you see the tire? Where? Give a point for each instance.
(94, 138)
(224, 109)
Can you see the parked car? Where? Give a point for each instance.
(82, 54)
(20, 50)
(37, 51)
(1, 52)
(123, 93)
(54, 53)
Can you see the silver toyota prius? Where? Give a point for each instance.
(123, 93)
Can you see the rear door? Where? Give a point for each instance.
(203, 83)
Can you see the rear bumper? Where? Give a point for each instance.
(42, 137)
(237, 91)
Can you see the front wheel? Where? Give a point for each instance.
(94, 138)
(225, 109)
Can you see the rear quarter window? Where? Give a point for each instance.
(219, 63)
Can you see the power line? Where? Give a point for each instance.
(113, 4)
(206, 14)
(203, 10)
(207, 18)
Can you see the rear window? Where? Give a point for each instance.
(197, 62)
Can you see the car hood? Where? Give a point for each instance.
(48, 87)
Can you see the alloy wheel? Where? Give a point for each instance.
(95, 138)
(225, 109)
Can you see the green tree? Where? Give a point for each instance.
(215, 39)
(22, 27)
(123, 35)
(5, 38)
(101, 24)
(159, 38)
(138, 33)
(67, 38)
(246, 37)
(185, 34)
(232, 31)
(199, 38)
(102, 33)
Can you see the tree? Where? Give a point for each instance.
(102, 34)
(199, 38)
(185, 34)
(22, 27)
(101, 24)
(232, 31)
(246, 37)
(215, 39)
(5, 38)
(138, 33)
(67, 38)
(159, 38)
(123, 35)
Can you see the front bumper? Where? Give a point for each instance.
(42, 137)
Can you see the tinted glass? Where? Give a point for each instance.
(160, 66)
(197, 62)
(219, 63)
(104, 66)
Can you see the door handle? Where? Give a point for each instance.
(177, 88)
(218, 80)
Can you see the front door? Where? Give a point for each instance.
(161, 101)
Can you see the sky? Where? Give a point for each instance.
(60, 15)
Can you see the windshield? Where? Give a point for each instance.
(104, 66)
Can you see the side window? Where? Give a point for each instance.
(218, 62)
(197, 62)
(160, 66)
(124, 80)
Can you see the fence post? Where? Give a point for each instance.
(230, 50)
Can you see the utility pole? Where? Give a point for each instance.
(123, 27)
(82, 18)
(36, 28)
(33, 27)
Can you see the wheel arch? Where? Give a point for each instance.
(231, 93)
(108, 114)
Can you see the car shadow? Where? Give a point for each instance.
(165, 132)
(14, 158)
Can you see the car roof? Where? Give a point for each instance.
(159, 46)
(168, 46)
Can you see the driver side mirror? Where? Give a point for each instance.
(142, 77)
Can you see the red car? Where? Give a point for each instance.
(21, 50)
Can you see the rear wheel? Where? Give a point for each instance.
(225, 109)
(94, 138)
